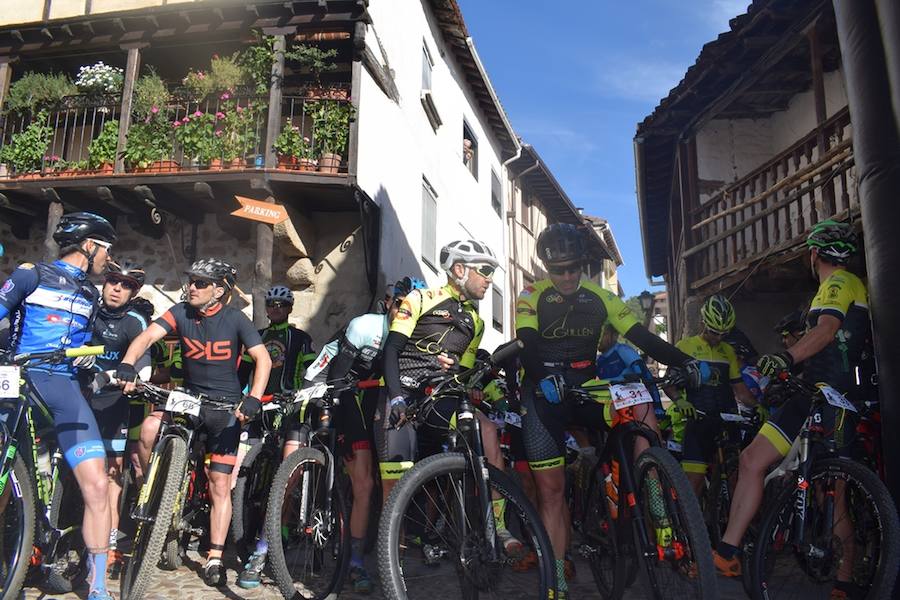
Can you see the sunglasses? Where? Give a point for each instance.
(564, 269)
(277, 304)
(105, 245)
(128, 284)
(486, 271)
(718, 333)
(200, 284)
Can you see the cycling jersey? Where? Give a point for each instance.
(210, 346)
(754, 381)
(716, 395)
(166, 354)
(52, 305)
(290, 350)
(620, 360)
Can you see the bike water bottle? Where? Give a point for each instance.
(611, 480)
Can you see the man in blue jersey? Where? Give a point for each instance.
(52, 306)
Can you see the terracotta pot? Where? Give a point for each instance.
(105, 169)
(307, 164)
(30, 175)
(235, 163)
(329, 163)
(159, 166)
(286, 162)
(215, 164)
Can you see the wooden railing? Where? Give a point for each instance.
(769, 210)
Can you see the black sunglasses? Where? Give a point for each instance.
(128, 284)
(563, 269)
(486, 271)
(200, 284)
(277, 304)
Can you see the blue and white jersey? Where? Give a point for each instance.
(51, 306)
(621, 359)
(357, 349)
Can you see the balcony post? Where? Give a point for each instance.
(5, 76)
(818, 85)
(262, 267)
(274, 121)
(132, 66)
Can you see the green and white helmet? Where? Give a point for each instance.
(834, 240)
(718, 314)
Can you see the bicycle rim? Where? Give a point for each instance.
(611, 567)
(17, 514)
(432, 537)
(859, 542)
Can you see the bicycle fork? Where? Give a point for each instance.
(468, 426)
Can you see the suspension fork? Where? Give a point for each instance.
(627, 490)
(468, 425)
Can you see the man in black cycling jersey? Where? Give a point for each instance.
(839, 334)
(116, 326)
(560, 320)
(211, 335)
(52, 307)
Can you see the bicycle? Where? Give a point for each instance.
(307, 518)
(173, 500)
(33, 483)
(650, 516)
(829, 507)
(441, 511)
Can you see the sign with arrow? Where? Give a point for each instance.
(257, 210)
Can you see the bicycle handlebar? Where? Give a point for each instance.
(51, 356)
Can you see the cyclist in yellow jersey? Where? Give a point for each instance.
(560, 320)
(839, 333)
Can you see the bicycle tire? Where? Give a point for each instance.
(164, 478)
(21, 494)
(874, 489)
(250, 496)
(416, 479)
(274, 512)
(600, 532)
(688, 527)
(63, 577)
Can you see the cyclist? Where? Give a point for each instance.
(435, 329)
(560, 319)
(839, 333)
(52, 306)
(116, 326)
(791, 328)
(211, 334)
(747, 357)
(726, 384)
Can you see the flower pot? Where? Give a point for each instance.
(329, 163)
(105, 169)
(308, 164)
(234, 163)
(215, 164)
(30, 175)
(287, 163)
(4, 171)
(159, 166)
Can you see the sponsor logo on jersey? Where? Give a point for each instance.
(444, 314)
(554, 299)
(403, 314)
(7, 287)
(210, 350)
(52, 318)
(834, 291)
(624, 312)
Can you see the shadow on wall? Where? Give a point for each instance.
(398, 258)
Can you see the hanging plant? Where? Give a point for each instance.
(312, 58)
(100, 78)
(256, 61)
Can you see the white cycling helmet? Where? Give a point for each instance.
(467, 251)
(280, 293)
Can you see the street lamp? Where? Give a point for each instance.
(646, 300)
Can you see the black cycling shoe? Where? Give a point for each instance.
(214, 573)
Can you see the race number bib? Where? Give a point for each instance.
(9, 382)
(835, 398)
(179, 402)
(513, 419)
(629, 394)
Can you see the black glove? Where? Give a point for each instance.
(691, 374)
(770, 365)
(126, 373)
(398, 411)
(249, 406)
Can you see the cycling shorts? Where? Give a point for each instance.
(544, 426)
(76, 428)
(113, 413)
(398, 449)
(138, 410)
(786, 421)
(699, 443)
(223, 434)
(354, 414)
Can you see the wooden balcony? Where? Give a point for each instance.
(767, 214)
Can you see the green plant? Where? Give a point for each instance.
(38, 90)
(256, 61)
(313, 58)
(226, 73)
(196, 134)
(331, 125)
(290, 143)
(100, 78)
(102, 149)
(147, 143)
(78, 165)
(151, 95)
(238, 135)
(26, 149)
(198, 84)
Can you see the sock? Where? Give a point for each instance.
(98, 568)
(561, 584)
(113, 538)
(262, 546)
(727, 551)
(356, 551)
(500, 512)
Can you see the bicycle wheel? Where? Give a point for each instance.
(613, 567)
(308, 528)
(69, 568)
(17, 513)
(861, 541)
(155, 505)
(250, 495)
(678, 558)
(433, 523)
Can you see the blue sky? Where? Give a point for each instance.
(576, 76)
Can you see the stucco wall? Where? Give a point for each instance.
(17, 12)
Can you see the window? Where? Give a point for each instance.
(427, 65)
(427, 96)
(497, 309)
(429, 225)
(496, 194)
(470, 150)
(525, 218)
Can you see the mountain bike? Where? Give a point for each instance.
(830, 513)
(307, 518)
(36, 483)
(641, 512)
(173, 502)
(250, 495)
(440, 514)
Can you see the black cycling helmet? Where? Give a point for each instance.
(74, 228)
(742, 345)
(482, 355)
(214, 269)
(128, 270)
(404, 286)
(143, 307)
(561, 243)
(792, 322)
(833, 240)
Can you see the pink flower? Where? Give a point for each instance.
(219, 133)
(154, 110)
(201, 75)
(176, 124)
(185, 119)
(225, 96)
(215, 57)
(220, 115)
(239, 109)
(198, 113)
(54, 158)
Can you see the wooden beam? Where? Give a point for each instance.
(51, 249)
(132, 67)
(273, 123)
(5, 78)
(815, 57)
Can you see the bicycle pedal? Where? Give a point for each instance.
(586, 551)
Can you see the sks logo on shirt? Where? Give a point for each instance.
(210, 350)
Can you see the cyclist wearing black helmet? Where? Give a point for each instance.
(52, 306)
(211, 334)
(791, 328)
(839, 334)
(560, 320)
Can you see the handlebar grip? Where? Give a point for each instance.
(367, 384)
(84, 351)
(507, 351)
